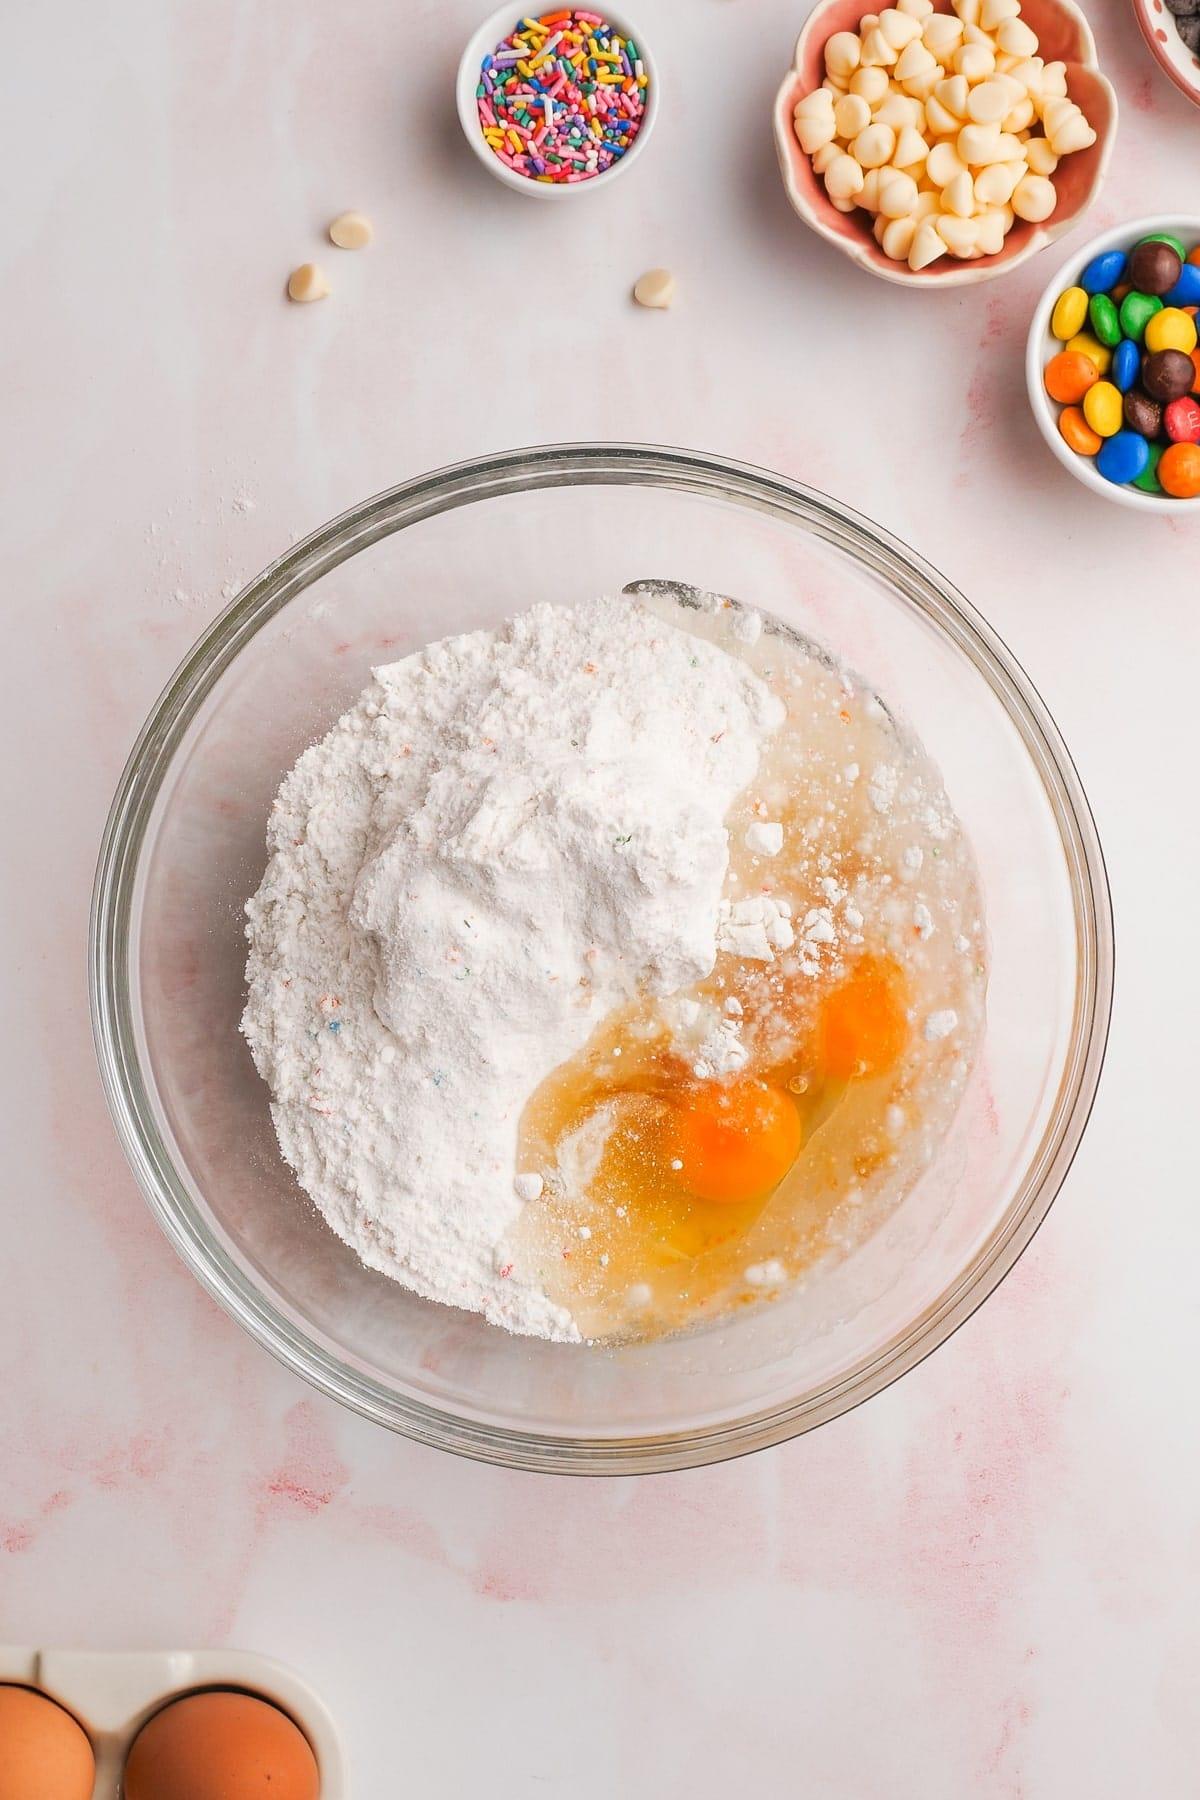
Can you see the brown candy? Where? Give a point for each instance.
(1168, 373)
(1154, 267)
(1142, 414)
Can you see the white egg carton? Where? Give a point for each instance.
(113, 1693)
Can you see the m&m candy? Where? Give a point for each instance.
(1126, 378)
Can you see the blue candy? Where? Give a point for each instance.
(1186, 291)
(1123, 458)
(1127, 360)
(1103, 272)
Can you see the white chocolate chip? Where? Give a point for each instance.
(958, 196)
(942, 36)
(927, 246)
(877, 52)
(1034, 198)
(843, 53)
(817, 105)
(978, 144)
(851, 115)
(941, 123)
(1020, 118)
(976, 61)
(993, 225)
(954, 93)
(896, 237)
(961, 236)
(911, 149)
(528, 1186)
(944, 164)
(814, 134)
(1040, 157)
(656, 288)
(1016, 39)
(898, 28)
(990, 102)
(899, 111)
(307, 283)
(994, 184)
(872, 84)
(873, 147)
(351, 231)
(843, 178)
(1054, 81)
(897, 194)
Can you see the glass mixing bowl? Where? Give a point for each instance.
(184, 847)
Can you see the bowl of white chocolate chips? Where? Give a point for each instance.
(941, 144)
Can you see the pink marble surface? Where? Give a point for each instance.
(982, 1582)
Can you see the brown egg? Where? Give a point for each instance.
(44, 1753)
(220, 1746)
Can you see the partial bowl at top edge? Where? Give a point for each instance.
(482, 42)
(1040, 346)
(1064, 35)
(1179, 64)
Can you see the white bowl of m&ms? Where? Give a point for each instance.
(1112, 365)
(557, 102)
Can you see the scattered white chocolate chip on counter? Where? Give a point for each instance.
(351, 231)
(656, 288)
(307, 283)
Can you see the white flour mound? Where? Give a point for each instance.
(506, 837)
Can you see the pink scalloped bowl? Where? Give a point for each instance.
(1168, 48)
(1064, 36)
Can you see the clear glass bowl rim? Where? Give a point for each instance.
(460, 484)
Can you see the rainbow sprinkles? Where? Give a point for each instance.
(563, 97)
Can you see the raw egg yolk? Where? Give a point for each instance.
(863, 1026)
(735, 1143)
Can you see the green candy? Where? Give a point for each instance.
(1105, 322)
(1148, 479)
(1164, 237)
(1136, 312)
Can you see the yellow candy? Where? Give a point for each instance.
(1100, 353)
(1171, 329)
(1070, 313)
(1103, 409)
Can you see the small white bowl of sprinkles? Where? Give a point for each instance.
(557, 102)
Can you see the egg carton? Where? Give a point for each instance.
(113, 1693)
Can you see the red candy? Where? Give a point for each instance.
(1182, 420)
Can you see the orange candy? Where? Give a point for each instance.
(735, 1142)
(1194, 255)
(863, 1024)
(1196, 366)
(1179, 471)
(1077, 433)
(1069, 375)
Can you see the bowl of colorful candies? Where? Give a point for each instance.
(557, 102)
(1113, 367)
